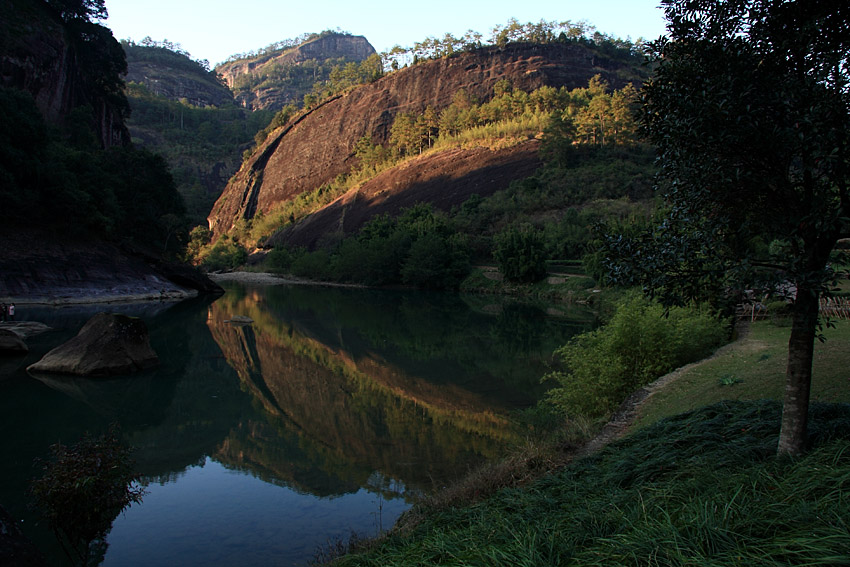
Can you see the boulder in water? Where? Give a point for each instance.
(12, 343)
(108, 344)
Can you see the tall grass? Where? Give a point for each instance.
(503, 133)
(702, 488)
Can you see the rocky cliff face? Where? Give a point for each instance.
(444, 179)
(36, 267)
(37, 56)
(316, 147)
(174, 76)
(267, 82)
(199, 91)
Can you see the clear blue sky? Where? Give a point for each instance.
(217, 29)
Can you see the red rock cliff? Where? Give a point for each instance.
(317, 147)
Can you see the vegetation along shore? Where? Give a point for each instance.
(688, 197)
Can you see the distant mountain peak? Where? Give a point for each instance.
(272, 79)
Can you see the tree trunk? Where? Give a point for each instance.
(798, 376)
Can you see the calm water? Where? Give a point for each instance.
(261, 443)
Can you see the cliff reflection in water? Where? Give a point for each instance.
(351, 382)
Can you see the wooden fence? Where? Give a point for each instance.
(832, 307)
(835, 307)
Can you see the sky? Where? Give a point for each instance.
(216, 29)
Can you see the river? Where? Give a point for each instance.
(260, 444)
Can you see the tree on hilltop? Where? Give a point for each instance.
(87, 10)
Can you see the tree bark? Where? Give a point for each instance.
(798, 376)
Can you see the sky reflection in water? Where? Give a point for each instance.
(263, 442)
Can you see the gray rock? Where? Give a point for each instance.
(108, 344)
(12, 343)
(25, 329)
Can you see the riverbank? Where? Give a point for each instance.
(38, 267)
(703, 488)
(267, 278)
(654, 492)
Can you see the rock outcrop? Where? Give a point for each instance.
(174, 76)
(444, 179)
(315, 148)
(108, 344)
(12, 343)
(270, 89)
(38, 267)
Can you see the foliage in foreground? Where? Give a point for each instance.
(749, 109)
(81, 491)
(703, 488)
(638, 345)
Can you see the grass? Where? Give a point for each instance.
(496, 135)
(703, 488)
(754, 369)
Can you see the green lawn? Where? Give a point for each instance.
(754, 369)
(703, 488)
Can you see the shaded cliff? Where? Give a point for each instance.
(64, 66)
(318, 146)
(276, 78)
(174, 76)
(183, 112)
(35, 267)
(445, 179)
(86, 215)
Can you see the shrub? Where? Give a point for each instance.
(279, 259)
(638, 345)
(81, 491)
(436, 262)
(521, 253)
(313, 265)
(225, 255)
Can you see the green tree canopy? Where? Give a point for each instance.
(749, 108)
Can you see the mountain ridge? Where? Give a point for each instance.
(273, 80)
(303, 155)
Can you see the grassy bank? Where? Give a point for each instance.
(702, 488)
(753, 369)
(696, 488)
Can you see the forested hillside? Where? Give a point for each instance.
(169, 71)
(181, 110)
(64, 165)
(82, 207)
(453, 159)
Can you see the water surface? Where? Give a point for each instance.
(260, 443)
